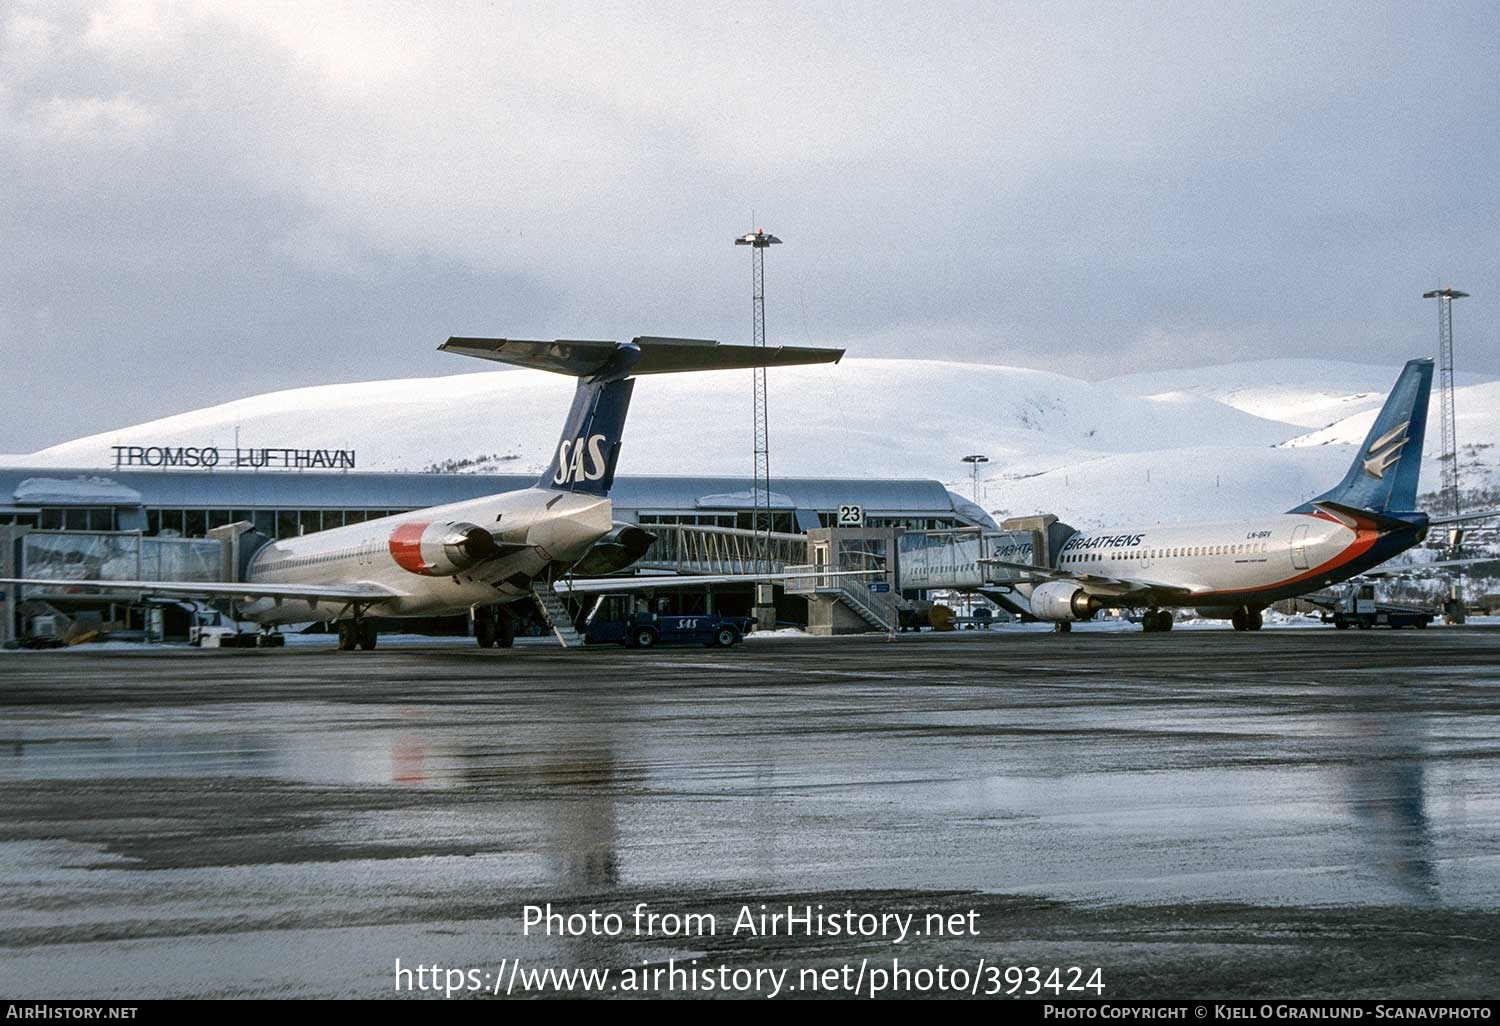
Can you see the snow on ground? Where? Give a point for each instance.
(1149, 448)
(1310, 393)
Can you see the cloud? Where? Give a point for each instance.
(1042, 185)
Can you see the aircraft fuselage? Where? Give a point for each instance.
(538, 526)
(1240, 563)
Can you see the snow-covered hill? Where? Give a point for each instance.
(1149, 448)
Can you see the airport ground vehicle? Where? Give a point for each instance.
(1357, 608)
(616, 621)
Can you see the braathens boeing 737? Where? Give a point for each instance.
(1234, 570)
(481, 554)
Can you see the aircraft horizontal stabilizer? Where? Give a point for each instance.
(1419, 569)
(585, 358)
(1464, 518)
(1354, 517)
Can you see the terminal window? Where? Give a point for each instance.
(78, 519)
(283, 523)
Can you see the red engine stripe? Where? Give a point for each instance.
(406, 547)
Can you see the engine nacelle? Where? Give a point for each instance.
(1063, 601)
(615, 551)
(441, 549)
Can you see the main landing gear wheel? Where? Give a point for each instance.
(484, 631)
(1163, 619)
(1246, 619)
(347, 635)
(505, 629)
(367, 635)
(1062, 627)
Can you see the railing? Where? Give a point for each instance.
(878, 608)
(716, 550)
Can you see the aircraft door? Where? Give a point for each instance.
(1299, 547)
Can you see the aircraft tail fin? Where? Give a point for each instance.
(1383, 476)
(589, 448)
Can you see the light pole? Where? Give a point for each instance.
(761, 519)
(974, 460)
(758, 241)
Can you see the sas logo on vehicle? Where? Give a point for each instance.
(1386, 450)
(580, 459)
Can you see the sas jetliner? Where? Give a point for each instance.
(1235, 570)
(483, 553)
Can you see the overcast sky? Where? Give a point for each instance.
(204, 200)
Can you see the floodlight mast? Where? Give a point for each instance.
(758, 240)
(1445, 298)
(974, 460)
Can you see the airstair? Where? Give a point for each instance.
(555, 613)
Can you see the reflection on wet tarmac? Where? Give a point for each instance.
(1106, 789)
(1104, 772)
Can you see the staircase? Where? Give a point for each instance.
(884, 621)
(556, 614)
(878, 610)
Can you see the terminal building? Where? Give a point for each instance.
(171, 504)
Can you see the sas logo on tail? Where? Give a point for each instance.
(580, 459)
(1386, 450)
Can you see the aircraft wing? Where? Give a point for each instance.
(595, 585)
(1463, 518)
(354, 592)
(1125, 588)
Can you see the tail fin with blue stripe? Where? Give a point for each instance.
(1383, 476)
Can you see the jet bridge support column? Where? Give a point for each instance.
(10, 537)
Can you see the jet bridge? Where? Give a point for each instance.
(957, 560)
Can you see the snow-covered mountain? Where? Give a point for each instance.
(1149, 448)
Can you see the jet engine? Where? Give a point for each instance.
(441, 549)
(1063, 600)
(615, 551)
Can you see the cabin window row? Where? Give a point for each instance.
(1242, 549)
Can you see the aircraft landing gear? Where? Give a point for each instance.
(1062, 627)
(1246, 619)
(1157, 620)
(494, 628)
(359, 633)
(270, 638)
